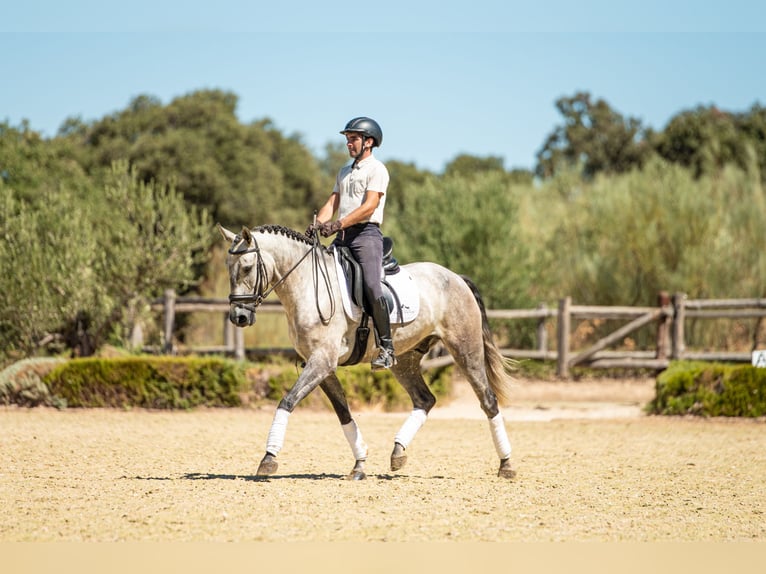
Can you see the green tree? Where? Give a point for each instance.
(151, 241)
(625, 238)
(593, 138)
(241, 174)
(468, 165)
(471, 226)
(83, 266)
(47, 252)
(704, 140)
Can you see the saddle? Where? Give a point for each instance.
(352, 272)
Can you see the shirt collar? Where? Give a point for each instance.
(361, 163)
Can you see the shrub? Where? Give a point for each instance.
(710, 389)
(21, 384)
(363, 387)
(188, 382)
(153, 382)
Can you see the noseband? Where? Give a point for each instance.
(251, 301)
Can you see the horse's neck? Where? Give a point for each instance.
(293, 266)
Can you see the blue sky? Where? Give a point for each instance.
(479, 78)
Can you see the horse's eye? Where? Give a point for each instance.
(246, 269)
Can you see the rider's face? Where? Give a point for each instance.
(354, 143)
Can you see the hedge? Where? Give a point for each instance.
(711, 390)
(188, 382)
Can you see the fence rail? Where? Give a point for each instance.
(670, 316)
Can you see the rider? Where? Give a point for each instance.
(359, 197)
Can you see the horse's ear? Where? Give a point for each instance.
(246, 235)
(227, 235)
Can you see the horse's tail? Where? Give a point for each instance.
(496, 365)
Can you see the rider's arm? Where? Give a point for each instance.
(326, 212)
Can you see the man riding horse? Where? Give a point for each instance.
(359, 198)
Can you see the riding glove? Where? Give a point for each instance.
(312, 228)
(330, 227)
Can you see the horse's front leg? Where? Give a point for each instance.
(407, 372)
(334, 391)
(318, 367)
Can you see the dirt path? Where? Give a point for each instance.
(590, 467)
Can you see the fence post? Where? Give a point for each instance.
(239, 344)
(170, 319)
(679, 316)
(663, 324)
(562, 326)
(228, 334)
(542, 332)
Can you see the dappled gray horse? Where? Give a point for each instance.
(302, 274)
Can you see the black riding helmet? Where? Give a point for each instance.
(367, 127)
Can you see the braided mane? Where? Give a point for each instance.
(286, 231)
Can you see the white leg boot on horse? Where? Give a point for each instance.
(407, 372)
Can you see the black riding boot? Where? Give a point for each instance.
(385, 359)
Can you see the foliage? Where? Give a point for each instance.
(183, 383)
(364, 387)
(166, 239)
(87, 269)
(593, 136)
(706, 140)
(241, 174)
(710, 389)
(148, 382)
(469, 225)
(21, 383)
(48, 258)
(627, 237)
(111, 212)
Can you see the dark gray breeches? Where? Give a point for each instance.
(366, 244)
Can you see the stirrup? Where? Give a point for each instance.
(384, 360)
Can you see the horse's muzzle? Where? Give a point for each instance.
(241, 317)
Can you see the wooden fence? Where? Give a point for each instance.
(669, 316)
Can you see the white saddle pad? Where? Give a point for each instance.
(403, 285)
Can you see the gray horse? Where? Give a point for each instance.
(302, 274)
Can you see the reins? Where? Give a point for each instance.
(251, 302)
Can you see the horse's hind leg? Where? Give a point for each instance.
(334, 391)
(407, 372)
(471, 363)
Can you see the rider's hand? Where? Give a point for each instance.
(330, 227)
(311, 229)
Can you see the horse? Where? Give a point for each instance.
(301, 272)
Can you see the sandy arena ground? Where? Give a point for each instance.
(591, 467)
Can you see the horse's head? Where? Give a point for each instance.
(247, 276)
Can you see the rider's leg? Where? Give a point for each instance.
(367, 248)
(385, 359)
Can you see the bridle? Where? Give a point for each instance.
(251, 301)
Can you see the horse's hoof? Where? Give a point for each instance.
(398, 457)
(356, 475)
(398, 462)
(268, 466)
(505, 469)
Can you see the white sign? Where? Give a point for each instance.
(759, 358)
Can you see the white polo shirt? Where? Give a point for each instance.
(353, 183)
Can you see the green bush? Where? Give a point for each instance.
(710, 389)
(21, 384)
(363, 387)
(154, 382)
(183, 383)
